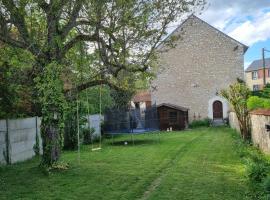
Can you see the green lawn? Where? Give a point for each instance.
(197, 164)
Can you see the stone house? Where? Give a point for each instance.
(254, 74)
(204, 61)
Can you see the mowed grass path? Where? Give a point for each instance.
(197, 164)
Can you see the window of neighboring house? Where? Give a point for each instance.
(256, 87)
(173, 117)
(254, 75)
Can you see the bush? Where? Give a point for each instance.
(257, 168)
(255, 102)
(267, 185)
(257, 171)
(200, 123)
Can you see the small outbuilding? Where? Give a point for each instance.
(172, 117)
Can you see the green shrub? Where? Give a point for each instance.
(267, 185)
(255, 102)
(200, 123)
(257, 171)
(266, 103)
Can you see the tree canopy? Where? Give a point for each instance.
(77, 44)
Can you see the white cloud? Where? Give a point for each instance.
(246, 64)
(244, 20)
(253, 31)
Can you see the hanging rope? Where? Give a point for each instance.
(78, 130)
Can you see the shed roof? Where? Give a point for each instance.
(173, 106)
(142, 96)
(258, 64)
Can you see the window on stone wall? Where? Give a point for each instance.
(254, 75)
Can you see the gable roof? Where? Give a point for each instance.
(258, 64)
(173, 106)
(194, 16)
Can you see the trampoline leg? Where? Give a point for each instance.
(132, 139)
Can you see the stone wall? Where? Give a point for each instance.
(203, 62)
(260, 136)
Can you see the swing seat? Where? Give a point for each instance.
(96, 149)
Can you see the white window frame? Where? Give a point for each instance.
(254, 75)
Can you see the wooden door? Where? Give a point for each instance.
(217, 110)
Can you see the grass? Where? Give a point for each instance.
(197, 164)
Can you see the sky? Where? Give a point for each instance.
(247, 21)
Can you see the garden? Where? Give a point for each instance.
(203, 163)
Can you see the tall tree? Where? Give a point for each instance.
(122, 33)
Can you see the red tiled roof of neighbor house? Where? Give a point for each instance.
(142, 96)
(265, 112)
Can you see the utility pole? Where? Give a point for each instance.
(263, 60)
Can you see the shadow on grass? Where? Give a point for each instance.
(136, 142)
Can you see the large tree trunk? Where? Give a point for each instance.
(51, 138)
(52, 101)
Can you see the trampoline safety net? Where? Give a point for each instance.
(131, 120)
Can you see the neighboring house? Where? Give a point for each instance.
(141, 100)
(254, 74)
(204, 61)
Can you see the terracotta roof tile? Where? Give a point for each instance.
(265, 112)
(142, 96)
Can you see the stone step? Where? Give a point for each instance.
(218, 122)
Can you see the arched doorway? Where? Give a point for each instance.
(217, 110)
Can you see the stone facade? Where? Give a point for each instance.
(203, 62)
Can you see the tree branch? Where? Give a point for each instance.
(43, 5)
(77, 39)
(72, 20)
(84, 86)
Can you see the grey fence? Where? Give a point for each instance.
(19, 136)
(17, 139)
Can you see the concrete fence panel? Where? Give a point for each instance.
(22, 138)
(19, 136)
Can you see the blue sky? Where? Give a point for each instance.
(247, 21)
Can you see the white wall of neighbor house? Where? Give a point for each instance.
(95, 121)
(225, 106)
(203, 62)
(142, 105)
